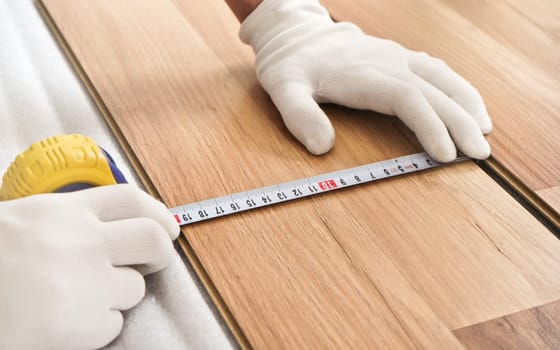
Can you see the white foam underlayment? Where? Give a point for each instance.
(40, 97)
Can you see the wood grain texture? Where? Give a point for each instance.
(509, 50)
(397, 264)
(534, 329)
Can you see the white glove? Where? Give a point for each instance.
(65, 264)
(304, 58)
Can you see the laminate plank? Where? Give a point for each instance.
(396, 264)
(534, 329)
(526, 28)
(509, 50)
(224, 50)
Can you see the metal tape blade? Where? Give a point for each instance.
(270, 195)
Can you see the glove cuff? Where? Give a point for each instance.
(273, 17)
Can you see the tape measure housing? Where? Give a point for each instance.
(59, 164)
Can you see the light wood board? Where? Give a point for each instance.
(398, 264)
(510, 51)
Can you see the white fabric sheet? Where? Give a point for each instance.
(40, 97)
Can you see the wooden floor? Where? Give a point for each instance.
(422, 261)
(510, 51)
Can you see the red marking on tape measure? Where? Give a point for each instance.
(328, 184)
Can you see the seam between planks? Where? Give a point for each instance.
(527, 197)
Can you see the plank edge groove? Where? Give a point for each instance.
(530, 196)
(201, 273)
(101, 107)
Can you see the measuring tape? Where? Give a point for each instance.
(276, 194)
(72, 162)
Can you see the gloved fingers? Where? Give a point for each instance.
(463, 128)
(106, 330)
(125, 201)
(128, 287)
(389, 95)
(138, 242)
(303, 117)
(440, 75)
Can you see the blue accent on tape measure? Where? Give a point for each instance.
(117, 174)
(115, 171)
(73, 187)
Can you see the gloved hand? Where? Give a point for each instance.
(66, 264)
(304, 58)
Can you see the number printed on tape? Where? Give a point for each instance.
(266, 196)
